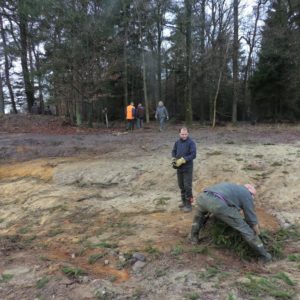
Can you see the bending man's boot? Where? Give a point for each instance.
(198, 222)
(258, 246)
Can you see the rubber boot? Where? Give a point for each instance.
(258, 246)
(198, 223)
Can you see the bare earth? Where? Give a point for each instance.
(84, 201)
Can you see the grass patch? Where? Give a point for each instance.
(214, 153)
(276, 164)
(6, 277)
(263, 286)
(54, 232)
(24, 230)
(199, 250)
(93, 258)
(209, 273)
(103, 245)
(73, 272)
(42, 282)
(224, 236)
(30, 239)
(152, 250)
(231, 297)
(162, 201)
(192, 296)
(177, 250)
(285, 278)
(294, 257)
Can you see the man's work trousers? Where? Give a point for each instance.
(207, 203)
(185, 178)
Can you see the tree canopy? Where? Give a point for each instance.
(208, 60)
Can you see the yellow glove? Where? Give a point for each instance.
(180, 162)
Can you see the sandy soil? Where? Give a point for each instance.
(89, 200)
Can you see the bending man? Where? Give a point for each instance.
(224, 201)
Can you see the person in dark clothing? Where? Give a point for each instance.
(183, 154)
(140, 114)
(225, 201)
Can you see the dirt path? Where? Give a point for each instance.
(92, 202)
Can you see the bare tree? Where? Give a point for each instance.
(1, 95)
(188, 60)
(235, 57)
(7, 67)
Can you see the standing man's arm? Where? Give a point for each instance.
(192, 153)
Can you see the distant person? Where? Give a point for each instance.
(105, 116)
(161, 115)
(35, 109)
(225, 201)
(183, 154)
(47, 110)
(130, 116)
(140, 115)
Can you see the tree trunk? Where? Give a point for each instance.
(125, 77)
(6, 67)
(159, 41)
(202, 51)
(188, 44)
(1, 95)
(251, 43)
(235, 67)
(214, 108)
(39, 77)
(29, 89)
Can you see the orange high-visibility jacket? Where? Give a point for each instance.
(130, 112)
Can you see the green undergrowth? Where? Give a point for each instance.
(73, 272)
(223, 236)
(279, 286)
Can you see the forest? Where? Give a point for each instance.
(207, 60)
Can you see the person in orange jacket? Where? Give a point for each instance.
(130, 116)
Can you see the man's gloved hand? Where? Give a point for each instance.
(180, 162)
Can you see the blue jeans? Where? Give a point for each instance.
(139, 123)
(162, 121)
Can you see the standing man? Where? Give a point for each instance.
(161, 115)
(183, 154)
(224, 201)
(140, 114)
(130, 115)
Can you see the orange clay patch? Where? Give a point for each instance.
(98, 269)
(37, 168)
(266, 220)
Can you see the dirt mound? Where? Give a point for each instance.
(41, 124)
(71, 227)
